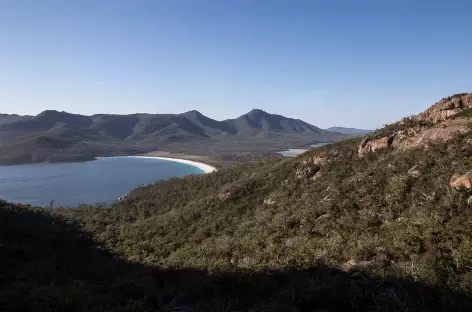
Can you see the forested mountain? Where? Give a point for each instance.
(193, 123)
(378, 223)
(54, 135)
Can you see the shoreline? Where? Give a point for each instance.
(202, 166)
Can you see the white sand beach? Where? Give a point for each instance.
(202, 166)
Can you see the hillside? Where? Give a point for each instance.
(64, 136)
(354, 225)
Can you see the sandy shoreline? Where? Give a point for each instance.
(206, 168)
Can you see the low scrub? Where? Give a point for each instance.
(324, 231)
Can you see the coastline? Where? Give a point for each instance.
(204, 167)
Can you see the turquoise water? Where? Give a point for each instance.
(71, 184)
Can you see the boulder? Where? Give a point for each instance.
(318, 160)
(353, 265)
(316, 176)
(269, 201)
(306, 172)
(315, 160)
(460, 182)
(469, 201)
(223, 195)
(369, 145)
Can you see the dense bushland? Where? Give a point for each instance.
(327, 230)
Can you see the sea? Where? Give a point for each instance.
(71, 184)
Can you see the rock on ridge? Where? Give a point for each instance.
(446, 108)
(431, 125)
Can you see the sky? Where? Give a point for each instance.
(331, 63)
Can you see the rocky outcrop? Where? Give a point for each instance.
(469, 201)
(318, 160)
(371, 145)
(416, 137)
(443, 131)
(269, 201)
(310, 167)
(223, 195)
(461, 182)
(353, 265)
(446, 108)
(306, 172)
(432, 125)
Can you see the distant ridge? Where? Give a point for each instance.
(5, 118)
(34, 139)
(192, 123)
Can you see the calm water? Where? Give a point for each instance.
(70, 184)
(293, 152)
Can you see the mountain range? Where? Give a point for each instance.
(58, 136)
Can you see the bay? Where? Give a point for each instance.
(71, 184)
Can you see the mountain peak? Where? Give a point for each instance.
(50, 112)
(54, 114)
(258, 112)
(193, 113)
(49, 118)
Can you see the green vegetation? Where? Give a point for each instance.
(457, 95)
(466, 113)
(326, 231)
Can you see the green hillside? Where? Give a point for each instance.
(338, 228)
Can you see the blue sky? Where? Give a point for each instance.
(347, 63)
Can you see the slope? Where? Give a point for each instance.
(50, 263)
(333, 229)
